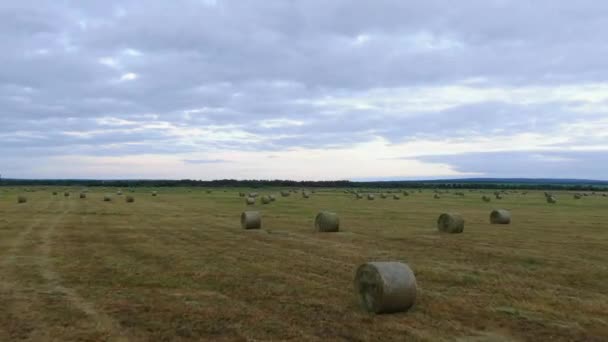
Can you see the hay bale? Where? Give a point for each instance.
(577, 196)
(54, 193)
(370, 197)
(450, 223)
(383, 195)
(83, 195)
(285, 193)
(251, 220)
(396, 197)
(208, 191)
(551, 200)
(486, 198)
(66, 194)
(385, 287)
(436, 196)
(250, 201)
(130, 199)
(604, 195)
(358, 196)
(119, 192)
(241, 194)
(154, 193)
(326, 221)
(405, 193)
(272, 198)
(500, 216)
(253, 194)
(107, 198)
(21, 199)
(265, 199)
(499, 197)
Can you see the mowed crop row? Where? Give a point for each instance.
(178, 266)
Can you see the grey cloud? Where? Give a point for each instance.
(205, 161)
(532, 164)
(241, 63)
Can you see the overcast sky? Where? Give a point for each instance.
(310, 89)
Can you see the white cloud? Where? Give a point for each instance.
(110, 62)
(281, 122)
(404, 100)
(128, 77)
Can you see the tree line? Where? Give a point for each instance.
(438, 184)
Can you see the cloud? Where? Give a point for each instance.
(189, 79)
(205, 161)
(530, 164)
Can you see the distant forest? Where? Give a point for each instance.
(528, 184)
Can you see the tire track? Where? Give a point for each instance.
(40, 258)
(103, 323)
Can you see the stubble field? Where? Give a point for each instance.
(178, 267)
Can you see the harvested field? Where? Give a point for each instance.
(179, 267)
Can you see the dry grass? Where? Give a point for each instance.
(179, 267)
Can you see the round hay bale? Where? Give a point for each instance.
(370, 197)
(83, 195)
(251, 220)
(250, 201)
(396, 197)
(436, 196)
(500, 216)
(253, 194)
(551, 200)
(265, 199)
(272, 198)
(383, 195)
(154, 193)
(405, 193)
(107, 198)
(499, 197)
(326, 221)
(450, 223)
(21, 199)
(285, 193)
(577, 196)
(54, 193)
(119, 192)
(66, 194)
(385, 287)
(486, 198)
(130, 199)
(241, 194)
(358, 196)
(208, 191)
(305, 195)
